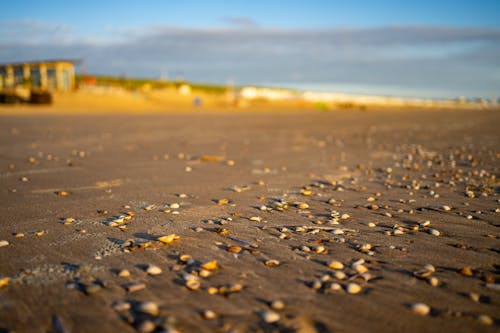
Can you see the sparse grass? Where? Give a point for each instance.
(134, 84)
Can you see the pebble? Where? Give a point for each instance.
(466, 271)
(433, 281)
(4, 243)
(474, 297)
(153, 270)
(167, 239)
(92, 289)
(353, 288)
(339, 275)
(421, 309)
(270, 317)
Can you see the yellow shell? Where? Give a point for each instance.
(210, 265)
(4, 281)
(168, 238)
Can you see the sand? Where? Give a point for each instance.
(412, 165)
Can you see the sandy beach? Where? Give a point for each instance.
(308, 221)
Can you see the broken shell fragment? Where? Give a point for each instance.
(234, 249)
(192, 284)
(135, 286)
(4, 281)
(466, 271)
(121, 306)
(4, 243)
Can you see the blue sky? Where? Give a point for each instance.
(414, 48)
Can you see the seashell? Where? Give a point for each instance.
(68, 221)
(272, 263)
(153, 270)
(359, 268)
(336, 287)
(192, 284)
(339, 275)
(4, 281)
(204, 273)
(149, 208)
(92, 289)
(210, 265)
(300, 229)
(135, 286)
(422, 274)
(150, 308)
(212, 290)
(425, 224)
(434, 232)
(345, 216)
(116, 221)
(353, 288)
(301, 205)
(62, 193)
(429, 268)
(319, 249)
(335, 264)
(175, 205)
(485, 319)
(124, 273)
(474, 297)
(222, 202)
(277, 304)
(255, 218)
(4, 243)
(421, 309)
(433, 281)
(40, 233)
(305, 192)
(466, 271)
(270, 317)
(120, 306)
(372, 225)
(168, 238)
(208, 314)
(18, 235)
(145, 326)
(365, 247)
(446, 208)
(304, 248)
(337, 231)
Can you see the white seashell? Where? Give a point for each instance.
(4, 243)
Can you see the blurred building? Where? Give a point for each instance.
(46, 75)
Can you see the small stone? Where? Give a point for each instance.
(433, 281)
(208, 314)
(485, 319)
(153, 270)
(4, 243)
(421, 309)
(270, 317)
(277, 304)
